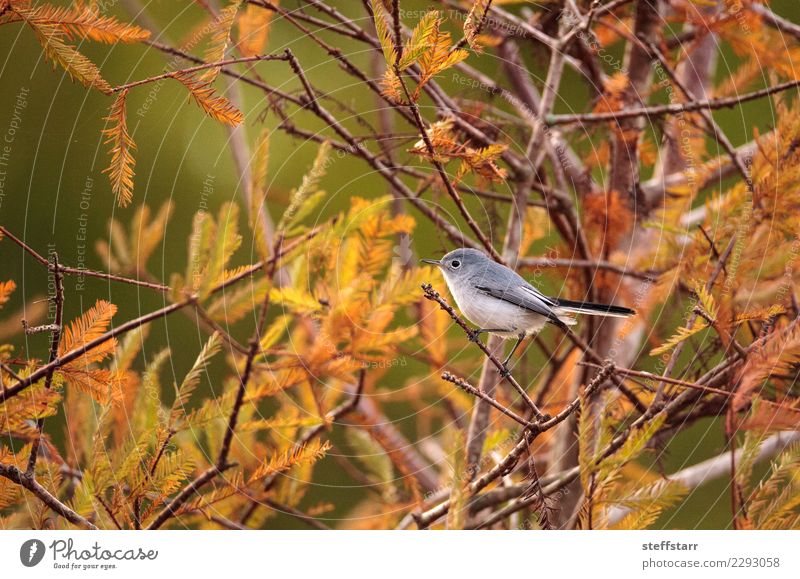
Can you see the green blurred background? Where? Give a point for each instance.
(57, 154)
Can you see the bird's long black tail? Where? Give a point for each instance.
(592, 309)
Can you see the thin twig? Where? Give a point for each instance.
(335, 415)
(78, 270)
(254, 346)
(55, 342)
(199, 67)
(703, 472)
(525, 262)
(469, 388)
(671, 109)
(8, 370)
(27, 481)
(433, 295)
(510, 460)
(184, 495)
(462, 208)
(145, 319)
(222, 464)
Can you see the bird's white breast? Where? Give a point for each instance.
(488, 312)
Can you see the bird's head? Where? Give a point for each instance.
(460, 263)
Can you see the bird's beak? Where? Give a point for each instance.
(431, 261)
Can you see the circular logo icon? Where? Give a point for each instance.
(32, 552)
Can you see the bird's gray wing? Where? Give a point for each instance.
(524, 297)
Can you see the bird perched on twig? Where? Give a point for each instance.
(499, 301)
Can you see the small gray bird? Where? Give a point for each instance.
(499, 301)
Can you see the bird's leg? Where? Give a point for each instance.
(506, 372)
(476, 334)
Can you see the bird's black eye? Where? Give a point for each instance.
(455, 263)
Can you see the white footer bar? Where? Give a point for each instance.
(387, 554)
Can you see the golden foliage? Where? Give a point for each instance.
(766, 415)
(433, 330)
(128, 251)
(375, 460)
(391, 86)
(6, 289)
(279, 463)
(51, 37)
(83, 21)
(383, 27)
(91, 325)
(603, 478)
(192, 379)
(422, 37)
(613, 98)
(482, 162)
(220, 35)
(473, 23)
(645, 503)
(211, 247)
(682, 334)
(215, 106)
(440, 56)
(18, 414)
(761, 314)
(429, 47)
(227, 241)
(760, 42)
(258, 192)
(778, 353)
(102, 385)
(236, 303)
(456, 516)
(711, 316)
(608, 219)
(120, 171)
(342, 308)
(307, 195)
(775, 502)
(254, 26)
